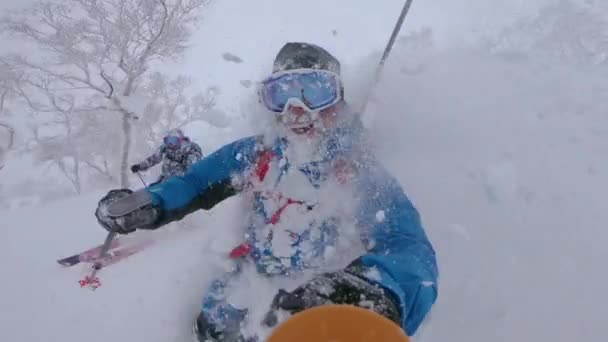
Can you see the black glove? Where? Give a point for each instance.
(342, 287)
(135, 168)
(122, 211)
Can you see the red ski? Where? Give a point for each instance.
(111, 257)
(86, 256)
(118, 254)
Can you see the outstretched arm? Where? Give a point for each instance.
(152, 160)
(207, 182)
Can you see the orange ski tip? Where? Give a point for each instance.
(338, 323)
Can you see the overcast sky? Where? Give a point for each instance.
(363, 27)
(449, 17)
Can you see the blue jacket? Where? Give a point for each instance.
(399, 256)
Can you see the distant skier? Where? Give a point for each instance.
(177, 153)
(319, 200)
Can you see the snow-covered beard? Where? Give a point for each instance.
(304, 147)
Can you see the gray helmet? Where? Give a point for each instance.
(295, 55)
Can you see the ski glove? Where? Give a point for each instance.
(122, 211)
(343, 287)
(135, 168)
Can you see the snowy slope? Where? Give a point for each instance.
(504, 158)
(150, 298)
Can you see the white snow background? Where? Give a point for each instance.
(504, 157)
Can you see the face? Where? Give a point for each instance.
(302, 121)
(305, 101)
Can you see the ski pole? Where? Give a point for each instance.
(142, 179)
(387, 50)
(91, 280)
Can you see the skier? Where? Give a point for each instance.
(315, 190)
(177, 153)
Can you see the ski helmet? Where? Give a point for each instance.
(297, 55)
(174, 138)
(176, 132)
(294, 55)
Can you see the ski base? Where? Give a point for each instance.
(85, 256)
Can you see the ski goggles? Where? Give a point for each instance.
(172, 141)
(316, 89)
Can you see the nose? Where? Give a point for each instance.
(297, 110)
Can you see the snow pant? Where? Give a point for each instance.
(158, 181)
(219, 320)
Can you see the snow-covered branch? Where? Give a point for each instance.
(95, 55)
(11, 134)
(9, 81)
(171, 106)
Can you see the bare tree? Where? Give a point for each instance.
(171, 107)
(98, 52)
(61, 145)
(11, 139)
(8, 81)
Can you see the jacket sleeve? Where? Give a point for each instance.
(399, 257)
(208, 182)
(152, 160)
(194, 154)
